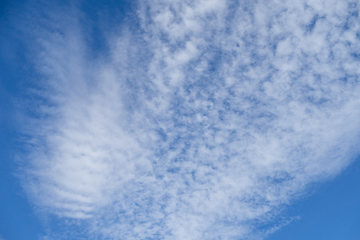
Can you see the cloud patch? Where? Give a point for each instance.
(202, 124)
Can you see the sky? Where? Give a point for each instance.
(190, 120)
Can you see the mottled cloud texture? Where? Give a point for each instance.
(201, 119)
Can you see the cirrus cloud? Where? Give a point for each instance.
(201, 124)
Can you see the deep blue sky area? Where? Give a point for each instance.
(332, 212)
(17, 218)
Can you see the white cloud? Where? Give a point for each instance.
(203, 125)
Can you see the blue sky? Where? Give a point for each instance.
(177, 119)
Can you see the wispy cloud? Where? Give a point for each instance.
(202, 124)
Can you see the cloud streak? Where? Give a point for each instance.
(201, 124)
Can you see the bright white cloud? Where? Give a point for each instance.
(201, 125)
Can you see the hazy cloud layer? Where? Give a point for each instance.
(201, 124)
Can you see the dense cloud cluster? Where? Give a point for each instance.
(200, 124)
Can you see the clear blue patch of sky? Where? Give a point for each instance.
(331, 213)
(17, 218)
